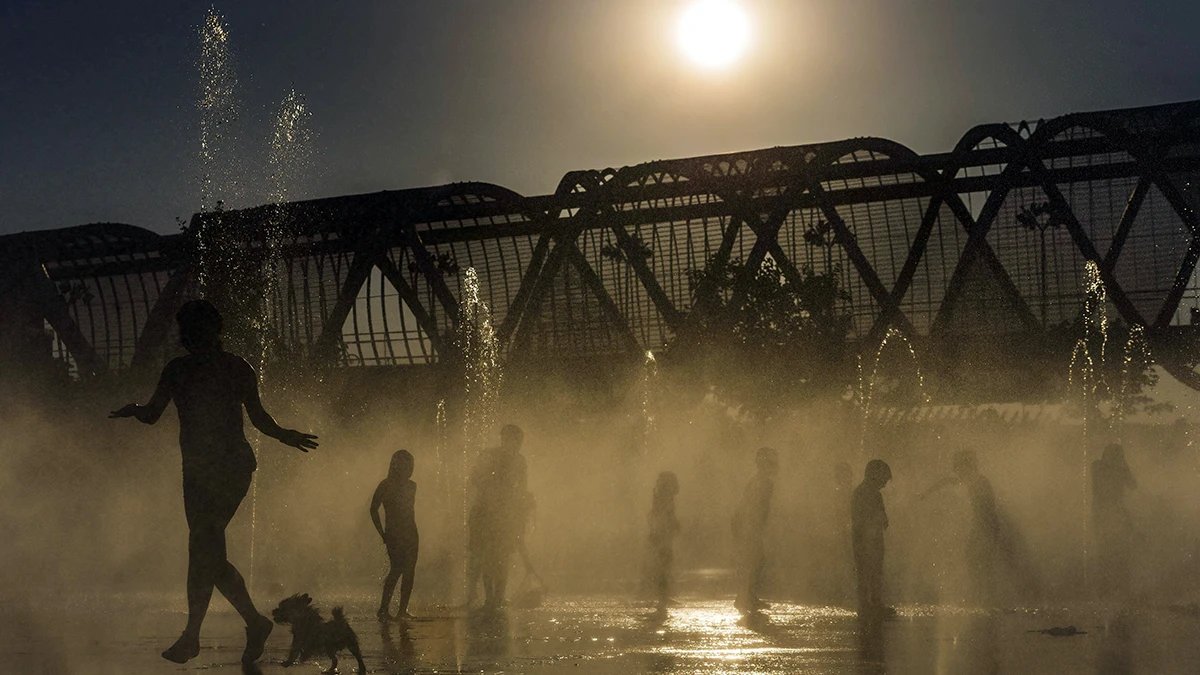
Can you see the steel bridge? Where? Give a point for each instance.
(989, 238)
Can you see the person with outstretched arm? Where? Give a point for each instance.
(210, 387)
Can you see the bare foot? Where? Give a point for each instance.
(185, 649)
(256, 639)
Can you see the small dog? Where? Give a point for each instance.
(312, 635)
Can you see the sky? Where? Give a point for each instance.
(98, 117)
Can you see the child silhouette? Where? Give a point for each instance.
(397, 495)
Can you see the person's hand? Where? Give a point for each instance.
(130, 410)
(298, 439)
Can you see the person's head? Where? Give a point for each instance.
(843, 475)
(402, 465)
(1114, 455)
(199, 325)
(965, 463)
(767, 461)
(511, 437)
(877, 473)
(666, 486)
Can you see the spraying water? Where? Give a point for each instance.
(649, 400)
(1137, 354)
(1086, 377)
(479, 350)
(218, 110)
(289, 159)
(481, 356)
(289, 156)
(866, 385)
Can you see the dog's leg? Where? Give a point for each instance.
(333, 666)
(362, 667)
(293, 652)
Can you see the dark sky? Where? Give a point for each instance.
(98, 118)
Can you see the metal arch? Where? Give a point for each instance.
(516, 310)
(982, 249)
(413, 300)
(1045, 133)
(659, 194)
(368, 249)
(799, 177)
(1082, 242)
(1032, 160)
(977, 233)
(1148, 158)
(662, 303)
(941, 195)
(392, 221)
(565, 249)
(849, 244)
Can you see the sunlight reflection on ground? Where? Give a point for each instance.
(123, 634)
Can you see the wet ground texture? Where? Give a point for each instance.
(125, 633)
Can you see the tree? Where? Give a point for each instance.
(760, 340)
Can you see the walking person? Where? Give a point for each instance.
(210, 387)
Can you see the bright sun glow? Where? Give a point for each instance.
(713, 33)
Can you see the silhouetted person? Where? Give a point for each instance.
(990, 538)
(868, 523)
(497, 518)
(749, 531)
(664, 527)
(210, 387)
(1111, 480)
(397, 495)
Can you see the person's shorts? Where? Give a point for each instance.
(212, 500)
(402, 551)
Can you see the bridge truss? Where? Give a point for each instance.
(938, 245)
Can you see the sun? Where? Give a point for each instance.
(713, 34)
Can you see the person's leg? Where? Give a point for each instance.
(758, 563)
(228, 580)
(862, 578)
(980, 561)
(199, 593)
(742, 576)
(500, 582)
(875, 581)
(389, 587)
(489, 580)
(406, 587)
(198, 509)
(660, 581)
(231, 585)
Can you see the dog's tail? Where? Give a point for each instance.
(338, 615)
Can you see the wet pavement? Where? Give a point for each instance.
(112, 634)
